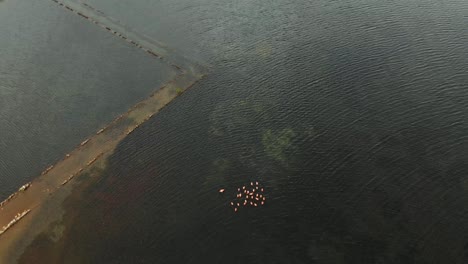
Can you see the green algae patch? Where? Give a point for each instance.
(234, 115)
(275, 144)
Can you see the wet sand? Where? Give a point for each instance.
(46, 193)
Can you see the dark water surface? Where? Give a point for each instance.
(61, 79)
(351, 114)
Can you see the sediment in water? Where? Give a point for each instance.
(26, 213)
(43, 196)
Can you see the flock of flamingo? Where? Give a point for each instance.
(248, 195)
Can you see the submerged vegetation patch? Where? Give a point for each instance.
(275, 144)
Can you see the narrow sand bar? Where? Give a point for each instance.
(26, 213)
(45, 188)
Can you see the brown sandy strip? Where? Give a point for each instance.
(114, 32)
(94, 160)
(45, 189)
(14, 221)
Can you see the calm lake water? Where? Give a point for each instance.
(61, 79)
(352, 115)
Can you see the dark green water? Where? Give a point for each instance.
(351, 115)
